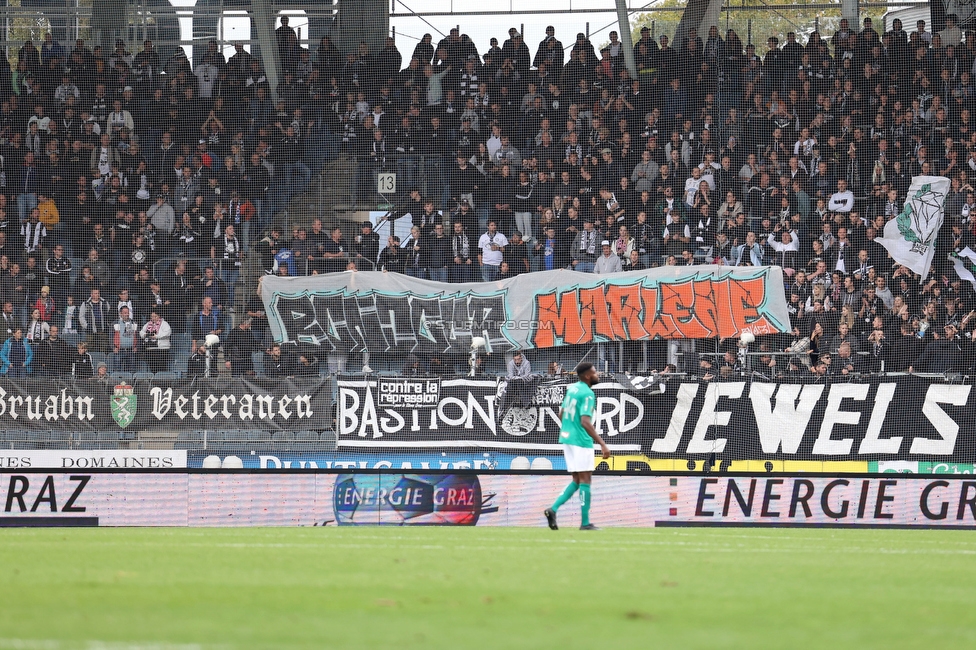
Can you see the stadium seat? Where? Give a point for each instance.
(234, 446)
(259, 439)
(122, 376)
(145, 376)
(211, 439)
(282, 440)
(16, 439)
(53, 439)
(328, 441)
(40, 439)
(166, 376)
(180, 364)
(305, 441)
(108, 440)
(97, 358)
(86, 440)
(258, 360)
(189, 440)
(237, 435)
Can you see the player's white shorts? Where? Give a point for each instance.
(579, 459)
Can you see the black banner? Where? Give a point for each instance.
(220, 403)
(908, 418)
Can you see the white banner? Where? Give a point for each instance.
(910, 237)
(390, 312)
(964, 264)
(94, 459)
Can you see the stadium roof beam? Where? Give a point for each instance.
(264, 21)
(625, 38)
(630, 10)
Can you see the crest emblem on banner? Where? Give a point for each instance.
(520, 421)
(921, 218)
(910, 237)
(124, 403)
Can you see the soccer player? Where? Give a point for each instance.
(577, 435)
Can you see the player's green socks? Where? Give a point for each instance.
(564, 497)
(584, 498)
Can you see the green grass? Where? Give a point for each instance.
(499, 588)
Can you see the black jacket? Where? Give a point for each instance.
(439, 251)
(54, 356)
(240, 345)
(82, 367)
(941, 355)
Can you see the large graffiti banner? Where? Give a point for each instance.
(390, 312)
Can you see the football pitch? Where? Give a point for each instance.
(425, 587)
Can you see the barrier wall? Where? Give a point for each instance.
(902, 424)
(324, 498)
(905, 418)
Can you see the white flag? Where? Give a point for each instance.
(910, 237)
(965, 264)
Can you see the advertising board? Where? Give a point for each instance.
(93, 459)
(323, 498)
(876, 419)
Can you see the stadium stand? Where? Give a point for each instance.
(158, 185)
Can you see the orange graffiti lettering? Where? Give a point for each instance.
(706, 307)
(678, 299)
(625, 309)
(657, 323)
(559, 316)
(746, 298)
(594, 314)
(690, 309)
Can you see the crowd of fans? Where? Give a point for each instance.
(713, 154)
(510, 163)
(129, 188)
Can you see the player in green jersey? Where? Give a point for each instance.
(577, 435)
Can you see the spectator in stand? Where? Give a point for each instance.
(16, 356)
(608, 262)
(842, 200)
(367, 246)
(518, 366)
(276, 364)
(785, 250)
(517, 254)
(124, 343)
(210, 286)
(199, 362)
(461, 269)
(58, 275)
(239, 348)
(491, 251)
(228, 252)
(206, 321)
(82, 366)
(52, 355)
(96, 318)
(155, 335)
(308, 366)
(392, 259)
(439, 254)
(585, 247)
(37, 329)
